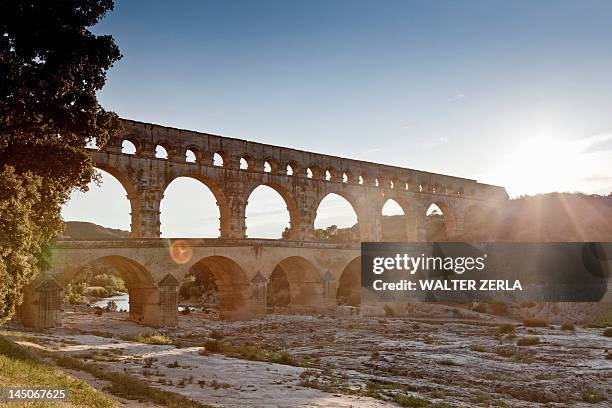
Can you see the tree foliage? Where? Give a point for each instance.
(51, 66)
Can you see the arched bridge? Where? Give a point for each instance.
(241, 266)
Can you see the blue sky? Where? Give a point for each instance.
(512, 93)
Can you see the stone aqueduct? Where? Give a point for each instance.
(241, 266)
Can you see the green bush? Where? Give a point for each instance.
(568, 327)
(533, 322)
(528, 341)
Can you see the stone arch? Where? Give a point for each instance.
(232, 284)
(197, 154)
(349, 284)
(316, 172)
(247, 160)
(291, 205)
(131, 194)
(447, 219)
(305, 286)
(167, 147)
(331, 174)
(359, 215)
(144, 296)
(220, 159)
(272, 165)
(135, 142)
(291, 168)
(406, 225)
(130, 270)
(222, 203)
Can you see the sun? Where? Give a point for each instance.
(539, 165)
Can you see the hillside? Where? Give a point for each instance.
(79, 230)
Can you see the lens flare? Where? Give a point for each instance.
(180, 252)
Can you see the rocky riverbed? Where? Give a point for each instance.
(454, 358)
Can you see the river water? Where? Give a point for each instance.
(123, 303)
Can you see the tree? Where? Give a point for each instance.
(51, 67)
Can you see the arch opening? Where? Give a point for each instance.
(114, 284)
(349, 285)
(193, 155)
(128, 147)
(84, 213)
(270, 213)
(218, 160)
(244, 164)
(231, 285)
(278, 292)
(394, 226)
(192, 208)
(161, 152)
(435, 225)
(303, 283)
(336, 220)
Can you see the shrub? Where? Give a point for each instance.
(528, 341)
(477, 347)
(533, 322)
(500, 309)
(155, 338)
(97, 292)
(480, 308)
(216, 334)
(506, 329)
(568, 327)
(111, 306)
(608, 332)
(213, 346)
(592, 396)
(73, 298)
(185, 311)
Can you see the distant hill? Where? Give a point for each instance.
(78, 230)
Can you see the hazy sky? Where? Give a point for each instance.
(507, 92)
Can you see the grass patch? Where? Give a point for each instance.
(528, 341)
(533, 322)
(252, 353)
(20, 368)
(155, 338)
(478, 348)
(592, 396)
(129, 387)
(410, 401)
(448, 362)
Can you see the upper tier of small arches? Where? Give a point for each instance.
(194, 155)
(200, 149)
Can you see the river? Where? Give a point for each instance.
(123, 303)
